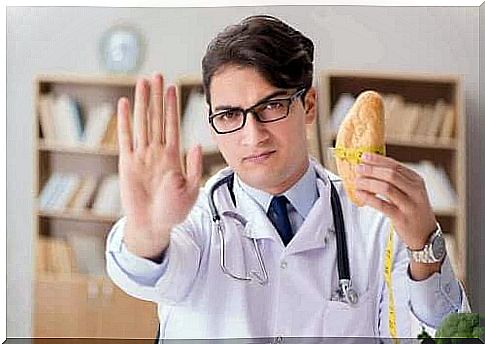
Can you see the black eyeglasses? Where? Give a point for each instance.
(228, 121)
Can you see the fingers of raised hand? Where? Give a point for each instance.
(194, 165)
(171, 120)
(124, 126)
(156, 110)
(142, 90)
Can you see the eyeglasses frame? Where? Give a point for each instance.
(291, 98)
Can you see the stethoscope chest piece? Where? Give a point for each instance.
(346, 293)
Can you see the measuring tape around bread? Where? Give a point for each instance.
(363, 131)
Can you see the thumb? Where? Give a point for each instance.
(194, 166)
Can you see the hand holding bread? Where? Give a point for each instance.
(379, 181)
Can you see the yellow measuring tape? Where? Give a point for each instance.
(388, 261)
(354, 155)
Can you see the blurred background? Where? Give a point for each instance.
(66, 66)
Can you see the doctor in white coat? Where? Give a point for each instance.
(258, 81)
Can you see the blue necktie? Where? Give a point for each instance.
(278, 214)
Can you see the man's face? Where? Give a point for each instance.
(267, 156)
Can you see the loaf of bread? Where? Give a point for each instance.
(361, 131)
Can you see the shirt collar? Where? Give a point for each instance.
(302, 195)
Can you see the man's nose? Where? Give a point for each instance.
(254, 132)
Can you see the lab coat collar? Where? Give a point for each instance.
(254, 220)
(314, 230)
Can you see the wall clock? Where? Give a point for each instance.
(121, 49)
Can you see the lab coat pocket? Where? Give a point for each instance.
(344, 320)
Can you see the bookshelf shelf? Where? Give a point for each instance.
(86, 216)
(78, 149)
(72, 296)
(445, 213)
(435, 142)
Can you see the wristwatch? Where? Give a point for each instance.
(434, 251)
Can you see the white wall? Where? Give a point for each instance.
(443, 40)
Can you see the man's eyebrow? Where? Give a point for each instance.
(268, 97)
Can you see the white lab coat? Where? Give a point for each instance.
(196, 300)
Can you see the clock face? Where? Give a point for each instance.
(121, 50)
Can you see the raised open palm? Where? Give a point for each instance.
(156, 191)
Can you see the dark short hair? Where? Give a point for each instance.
(280, 53)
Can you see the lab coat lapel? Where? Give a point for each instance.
(256, 223)
(258, 226)
(315, 230)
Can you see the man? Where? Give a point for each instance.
(279, 275)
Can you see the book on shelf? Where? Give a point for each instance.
(84, 195)
(110, 138)
(439, 112)
(448, 127)
(60, 119)
(424, 123)
(405, 120)
(408, 121)
(45, 106)
(108, 200)
(97, 123)
(57, 191)
(66, 190)
(393, 111)
(67, 120)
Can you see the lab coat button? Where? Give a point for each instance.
(284, 265)
(447, 288)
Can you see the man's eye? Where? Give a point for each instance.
(229, 115)
(275, 105)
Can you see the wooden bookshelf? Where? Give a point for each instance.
(86, 216)
(447, 152)
(82, 302)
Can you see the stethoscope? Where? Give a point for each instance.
(344, 293)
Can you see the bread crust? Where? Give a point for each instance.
(362, 130)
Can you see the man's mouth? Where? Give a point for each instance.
(258, 157)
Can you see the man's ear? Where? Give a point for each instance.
(310, 105)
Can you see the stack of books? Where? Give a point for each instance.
(406, 120)
(431, 123)
(64, 121)
(72, 192)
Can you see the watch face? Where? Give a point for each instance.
(438, 247)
